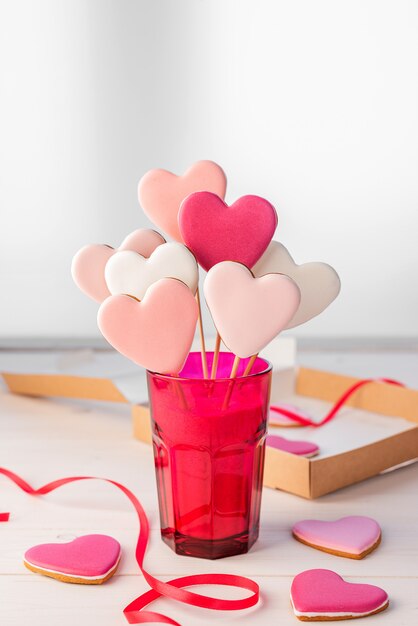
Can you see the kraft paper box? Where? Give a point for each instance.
(377, 430)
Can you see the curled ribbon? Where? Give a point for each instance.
(134, 612)
(305, 421)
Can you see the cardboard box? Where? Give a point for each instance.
(377, 430)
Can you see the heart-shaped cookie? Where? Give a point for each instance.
(354, 536)
(88, 266)
(216, 232)
(160, 192)
(300, 448)
(88, 560)
(322, 595)
(248, 312)
(157, 332)
(319, 283)
(130, 273)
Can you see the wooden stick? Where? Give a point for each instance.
(231, 383)
(202, 338)
(180, 393)
(250, 364)
(216, 356)
(235, 367)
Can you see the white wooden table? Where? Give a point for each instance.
(44, 439)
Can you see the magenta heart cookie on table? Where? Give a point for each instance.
(88, 265)
(319, 595)
(319, 283)
(307, 449)
(87, 560)
(353, 537)
(157, 332)
(130, 273)
(216, 232)
(161, 193)
(248, 312)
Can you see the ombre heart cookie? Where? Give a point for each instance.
(320, 595)
(161, 193)
(319, 283)
(157, 332)
(216, 232)
(353, 537)
(300, 448)
(87, 560)
(88, 266)
(248, 312)
(130, 273)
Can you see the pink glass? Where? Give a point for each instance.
(209, 440)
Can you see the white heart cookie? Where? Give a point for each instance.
(319, 283)
(130, 273)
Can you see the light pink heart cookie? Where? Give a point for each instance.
(88, 560)
(353, 537)
(161, 193)
(248, 312)
(319, 595)
(300, 448)
(157, 332)
(88, 266)
(216, 232)
(319, 283)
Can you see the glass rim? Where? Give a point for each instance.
(266, 370)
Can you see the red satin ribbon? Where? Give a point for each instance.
(337, 406)
(172, 589)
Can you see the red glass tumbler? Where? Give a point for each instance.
(209, 440)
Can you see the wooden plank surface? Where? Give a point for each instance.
(45, 439)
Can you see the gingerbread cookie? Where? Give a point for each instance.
(353, 537)
(321, 595)
(87, 560)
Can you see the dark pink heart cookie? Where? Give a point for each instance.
(216, 232)
(301, 448)
(88, 560)
(319, 595)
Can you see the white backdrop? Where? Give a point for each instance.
(313, 105)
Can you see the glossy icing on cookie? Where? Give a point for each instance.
(354, 536)
(88, 265)
(157, 332)
(130, 273)
(89, 559)
(216, 232)
(301, 448)
(248, 312)
(320, 594)
(319, 283)
(161, 193)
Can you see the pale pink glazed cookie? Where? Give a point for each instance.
(319, 283)
(301, 448)
(160, 192)
(248, 312)
(157, 332)
(216, 232)
(87, 560)
(353, 537)
(278, 419)
(321, 595)
(88, 266)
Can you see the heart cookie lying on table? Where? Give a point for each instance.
(319, 595)
(353, 537)
(87, 560)
(301, 448)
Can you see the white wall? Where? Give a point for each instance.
(312, 104)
